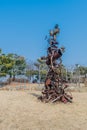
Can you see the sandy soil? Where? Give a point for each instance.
(20, 110)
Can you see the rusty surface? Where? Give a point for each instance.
(55, 85)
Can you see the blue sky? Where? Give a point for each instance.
(24, 24)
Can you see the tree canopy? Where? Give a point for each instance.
(10, 64)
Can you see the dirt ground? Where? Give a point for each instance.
(20, 110)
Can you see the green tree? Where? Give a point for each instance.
(11, 64)
(30, 71)
(6, 64)
(42, 69)
(19, 65)
(0, 50)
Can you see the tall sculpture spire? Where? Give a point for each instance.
(55, 85)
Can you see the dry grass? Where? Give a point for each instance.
(22, 86)
(35, 86)
(20, 110)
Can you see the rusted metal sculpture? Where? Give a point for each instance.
(55, 85)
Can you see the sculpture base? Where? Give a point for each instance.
(55, 95)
